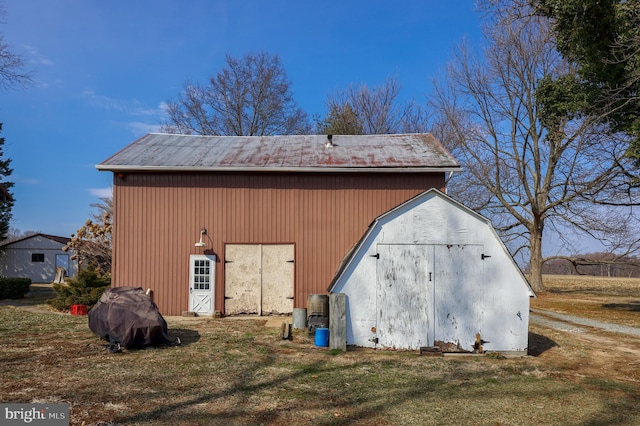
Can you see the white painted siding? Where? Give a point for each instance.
(16, 260)
(422, 266)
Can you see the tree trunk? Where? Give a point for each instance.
(535, 262)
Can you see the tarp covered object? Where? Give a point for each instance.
(128, 316)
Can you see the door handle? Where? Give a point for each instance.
(429, 276)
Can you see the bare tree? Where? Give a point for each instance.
(12, 72)
(16, 234)
(91, 244)
(250, 96)
(361, 110)
(564, 172)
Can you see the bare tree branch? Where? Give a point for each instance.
(521, 171)
(364, 110)
(251, 96)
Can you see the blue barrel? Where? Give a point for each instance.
(322, 337)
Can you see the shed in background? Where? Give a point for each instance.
(432, 272)
(36, 257)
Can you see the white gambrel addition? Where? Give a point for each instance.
(432, 272)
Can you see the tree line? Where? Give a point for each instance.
(599, 264)
(252, 96)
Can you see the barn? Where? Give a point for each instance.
(36, 257)
(250, 225)
(433, 273)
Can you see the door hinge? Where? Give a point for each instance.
(290, 297)
(228, 261)
(484, 256)
(377, 255)
(291, 261)
(228, 297)
(374, 340)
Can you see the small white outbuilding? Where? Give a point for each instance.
(38, 257)
(432, 272)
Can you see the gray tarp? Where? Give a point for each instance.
(128, 316)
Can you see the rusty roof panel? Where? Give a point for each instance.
(300, 152)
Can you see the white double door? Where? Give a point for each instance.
(427, 294)
(259, 279)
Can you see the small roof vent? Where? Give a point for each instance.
(329, 141)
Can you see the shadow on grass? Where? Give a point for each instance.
(249, 383)
(633, 306)
(186, 336)
(538, 344)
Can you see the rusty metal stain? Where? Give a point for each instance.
(288, 152)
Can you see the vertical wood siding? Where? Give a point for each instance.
(158, 217)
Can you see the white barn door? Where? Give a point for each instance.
(259, 279)
(201, 283)
(404, 295)
(459, 294)
(242, 280)
(277, 279)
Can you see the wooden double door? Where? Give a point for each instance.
(259, 279)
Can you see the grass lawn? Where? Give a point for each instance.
(237, 371)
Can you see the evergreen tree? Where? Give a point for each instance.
(6, 198)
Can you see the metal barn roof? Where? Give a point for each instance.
(302, 153)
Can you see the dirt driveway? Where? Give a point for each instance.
(580, 347)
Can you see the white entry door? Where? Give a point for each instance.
(258, 279)
(201, 283)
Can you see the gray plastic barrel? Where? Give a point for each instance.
(299, 318)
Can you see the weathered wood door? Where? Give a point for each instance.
(201, 283)
(404, 295)
(259, 279)
(277, 279)
(429, 294)
(458, 294)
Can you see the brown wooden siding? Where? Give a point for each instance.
(158, 217)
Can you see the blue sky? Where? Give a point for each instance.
(103, 71)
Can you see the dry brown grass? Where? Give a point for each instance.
(589, 284)
(615, 300)
(231, 371)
